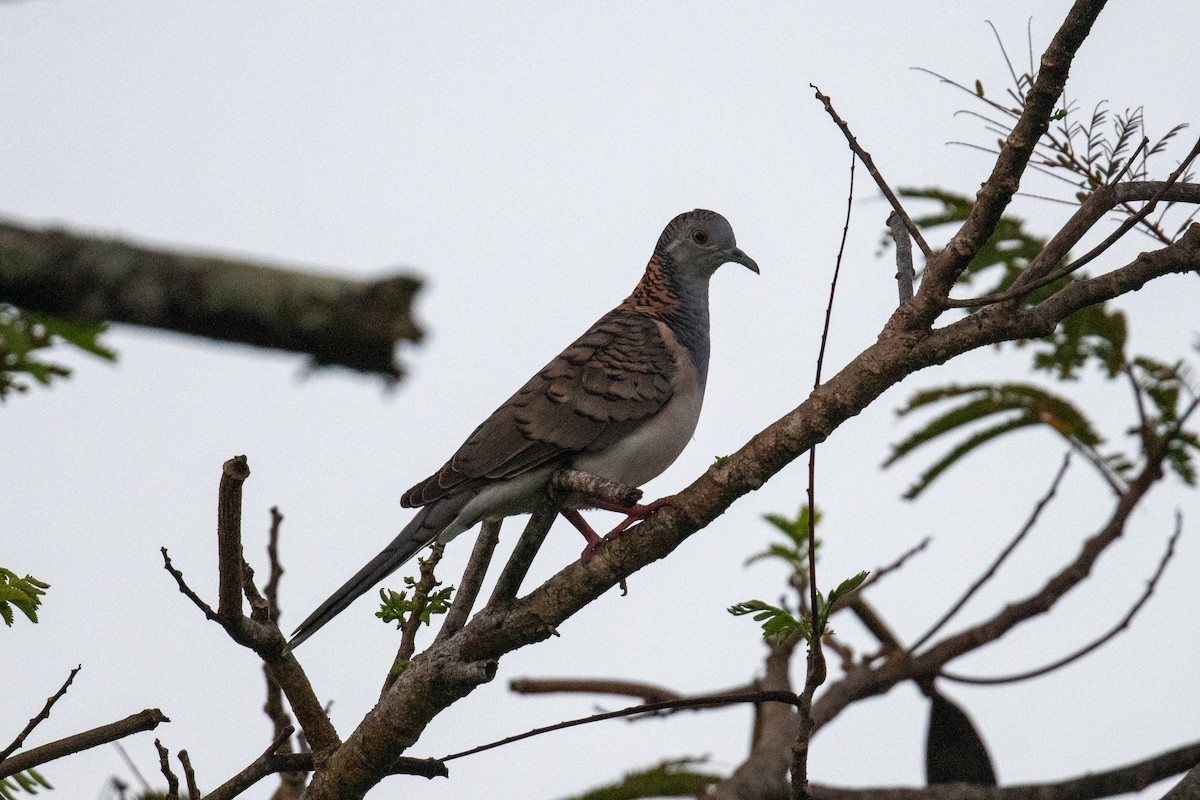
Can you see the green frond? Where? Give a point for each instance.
(672, 778)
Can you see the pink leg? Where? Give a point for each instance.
(633, 514)
(581, 525)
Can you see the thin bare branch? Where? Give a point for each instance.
(1042, 270)
(204, 607)
(646, 692)
(164, 764)
(189, 775)
(880, 572)
(905, 272)
(869, 163)
(146, 720)
(1000, 559)
(472, 580)
(1097, 643)
(596, 487)
(509, 582)
(817, 670)
(646, 708)
(40, 716)
(254, 771)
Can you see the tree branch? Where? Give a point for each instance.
(40, 716)
(146, 720)
(997, 191)
(1128, 778)
(1103, 639)
(336, 322)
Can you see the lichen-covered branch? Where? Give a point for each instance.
(335, 321)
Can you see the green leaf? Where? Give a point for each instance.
(23, 593)
(24, 336)
(795, 552)
(1009, 406)
(397, 606)
(777, 623)
(667, 779)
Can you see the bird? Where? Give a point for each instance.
(620, 402)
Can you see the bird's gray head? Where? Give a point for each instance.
(701, 240)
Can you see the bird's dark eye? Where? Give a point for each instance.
(700, 237)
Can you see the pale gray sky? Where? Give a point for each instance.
(523, 158)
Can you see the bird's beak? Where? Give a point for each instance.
(736, 255)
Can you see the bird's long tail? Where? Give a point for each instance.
(423, 529)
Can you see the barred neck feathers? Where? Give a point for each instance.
(678, 299)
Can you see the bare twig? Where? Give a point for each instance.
(1000, 559)
(260, 634)
(146, 720)
(164, 764)
(689, 702)
(816, 672)
(204, 607)
(869, 163)
(229, 539)
(189, 775)
(905, 272)
(404, 765)
(509, 582)
(997, 191)
(880, 572)
(40, 716)
(271, 588)
(869, 681)
(1088, 648)
(646, 692)
(472, 580)
(874, 623)
(254, 771)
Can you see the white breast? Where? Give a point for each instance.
(654, 446)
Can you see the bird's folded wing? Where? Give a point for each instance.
(598, 390)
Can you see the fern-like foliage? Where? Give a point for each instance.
(29, 782)
(1084, 151)
(1009, 407)
(1166, 386)
(778, 624)
(24, 338)
(673, 778)
(794, 551)
(24, 594)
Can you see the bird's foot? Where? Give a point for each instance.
(634, 513)
(638, 513)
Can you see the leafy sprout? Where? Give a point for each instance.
(25, 594)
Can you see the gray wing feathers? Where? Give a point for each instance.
(594, 393)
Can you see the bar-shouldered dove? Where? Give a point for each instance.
(621, 402)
